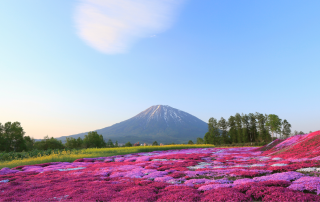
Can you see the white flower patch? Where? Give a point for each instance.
(219, 166)
(279, 164)
(311, 169)
(257, 165)
(4, 181)
(241, 166)
(67, 169)
(149, 154)
(276, 158)
(264, 158)
(204, 163)
(60, 198)
(175, 181)
(270, 143)
(196, 167)
(244, 159)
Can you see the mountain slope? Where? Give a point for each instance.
(159, 123)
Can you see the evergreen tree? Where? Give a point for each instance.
(128, 144)
(295, 133)
(11, 137)
(109, 143)
(223, 127)
(238, 121)
(206, 138)
(263, 132)
(252, 128)
(155, 143)
(190, 142)
(286, 128)
(245, 128)
(214, 137)
(71, 143)
(200, 140)
(79, 144)
(274, 124)
(29, 143)
(93, 139)
(48, 143)
(2, 138)
(210, 137)
(232, 133)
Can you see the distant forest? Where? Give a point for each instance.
(244, 128)
(13, 139)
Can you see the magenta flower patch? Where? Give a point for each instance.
(214, 174)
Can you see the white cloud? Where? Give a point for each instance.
(112, 26)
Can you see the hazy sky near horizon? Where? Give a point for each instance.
(68, 67)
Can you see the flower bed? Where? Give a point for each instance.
(212, 174)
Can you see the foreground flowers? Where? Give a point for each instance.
(215, 174)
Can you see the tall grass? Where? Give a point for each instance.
(70, 156)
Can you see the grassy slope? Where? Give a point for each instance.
(91, 153)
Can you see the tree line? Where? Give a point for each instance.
(244, 128)
(13, 139)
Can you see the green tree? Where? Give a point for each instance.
(252, 128)
(214, 134)
(93, 139)
(200, 140)
(29, 143)
(128, 144)
(3, 139)
(155, 143)
(263, 136)
(73, 143)
(295, 133)
(207, 138)
(274, 124)
(232, 133)
(48, 143)
(116, 145)
(11, 137)
(70, 143)
(222, 124)
(190, 142)
(80, 143)
(286, 128)
(245, 128)
(110, 143)
(238, 120)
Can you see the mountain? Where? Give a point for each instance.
(159, 123)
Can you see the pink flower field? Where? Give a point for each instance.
(282, 171)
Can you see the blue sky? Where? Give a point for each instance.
(74, 66)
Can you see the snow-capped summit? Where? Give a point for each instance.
(164, 113)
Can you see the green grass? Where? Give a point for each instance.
(70, 156)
